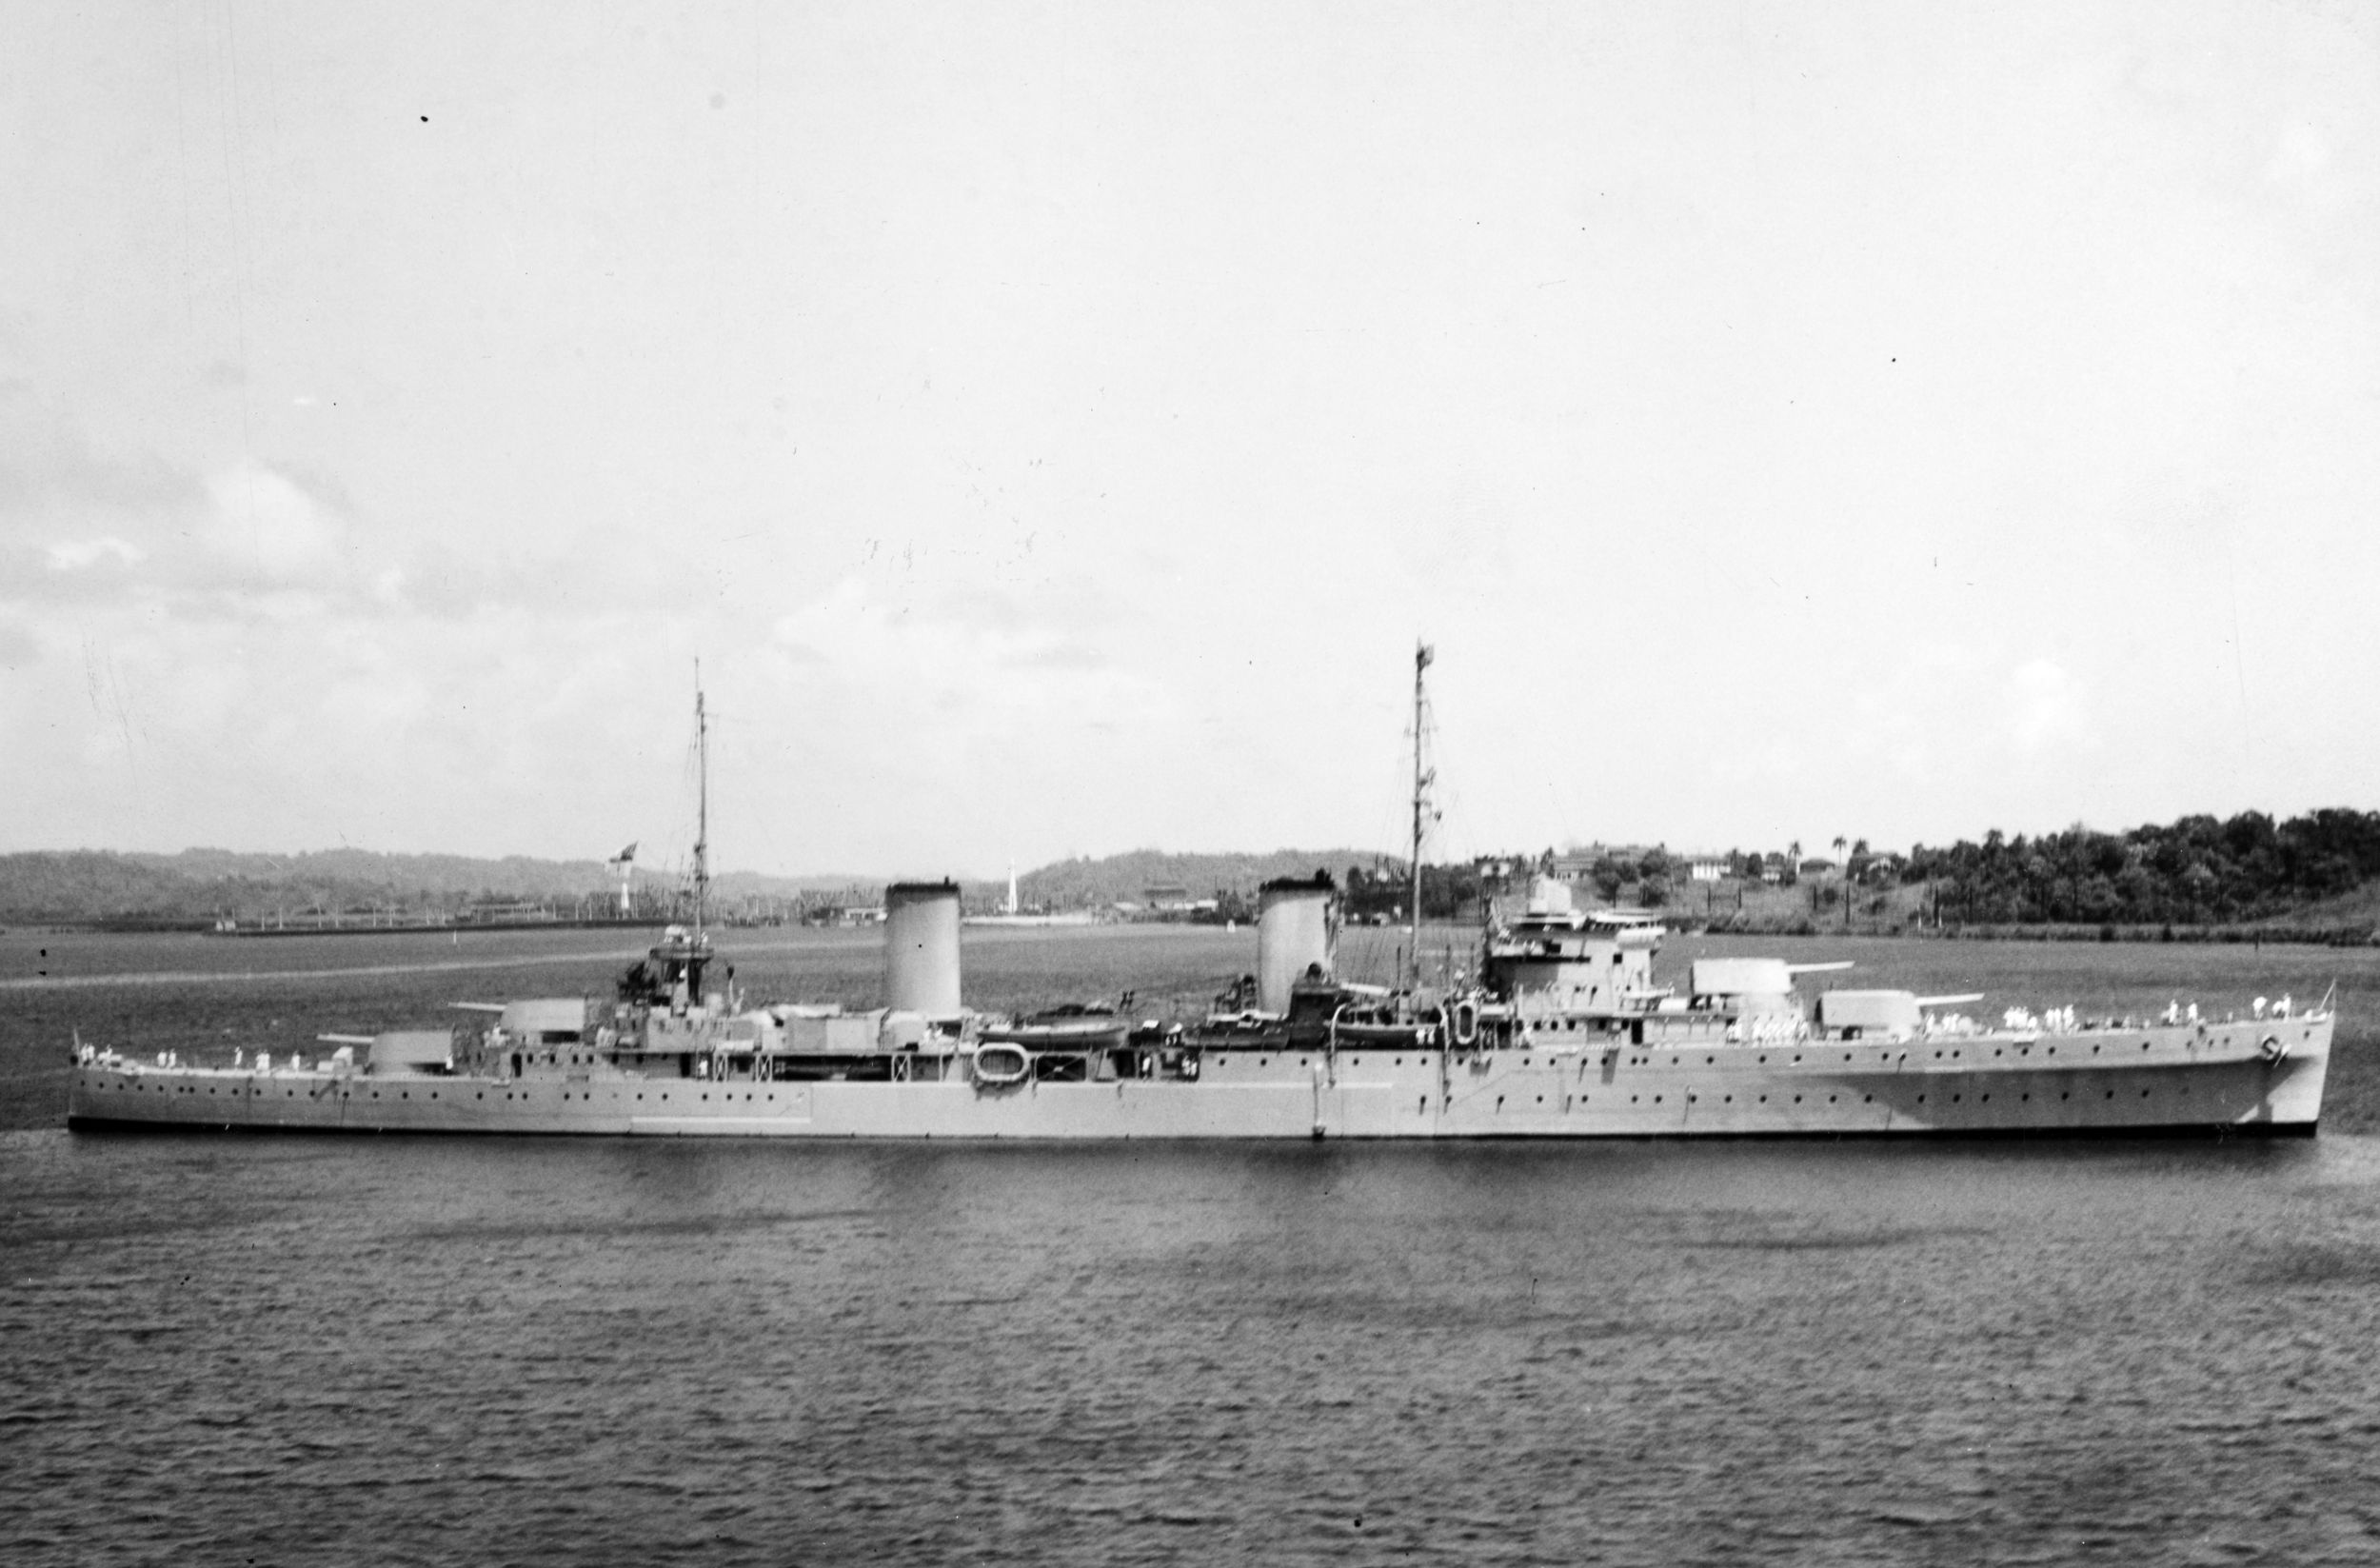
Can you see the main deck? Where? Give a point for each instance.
(2261, 1076)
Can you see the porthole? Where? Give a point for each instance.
(1656, 1100)
(1796, 1100)
(2111, 1094)
(1709, 1061)
(1867, 1099)
(2144, 1094)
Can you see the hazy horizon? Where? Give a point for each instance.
(1052, 426)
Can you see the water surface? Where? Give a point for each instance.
(290, 1349)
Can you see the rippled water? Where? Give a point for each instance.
(282, 1350)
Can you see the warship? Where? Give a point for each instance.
(1562, 1032)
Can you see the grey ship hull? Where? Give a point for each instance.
(2264, 1077)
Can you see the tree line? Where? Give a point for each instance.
(2196, 870)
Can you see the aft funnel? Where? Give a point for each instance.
(1297, 928)
(921, 948)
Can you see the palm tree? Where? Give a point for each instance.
(1843, 870)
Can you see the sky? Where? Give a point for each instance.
(1051, 426)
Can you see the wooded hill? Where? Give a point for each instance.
(2319, 870)
(203, 886)
(1132, 876)
(2194, 871)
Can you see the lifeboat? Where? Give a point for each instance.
(1062, 1029)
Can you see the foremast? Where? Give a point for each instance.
(1422, 778)
(701, 805)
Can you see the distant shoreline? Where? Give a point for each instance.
(2176, 933)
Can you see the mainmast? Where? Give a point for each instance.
(702, 803)
(1421, 780)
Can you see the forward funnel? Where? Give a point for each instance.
(1297, 928)
(921, 948)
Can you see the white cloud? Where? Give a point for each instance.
(976, 674)
(2302, 162)
(264, 521)
(2046, 708)
(78, 554)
